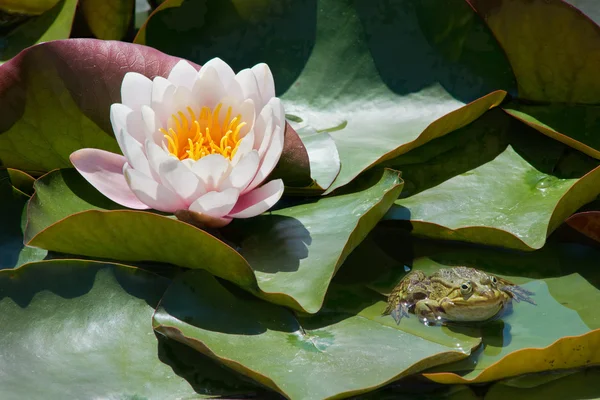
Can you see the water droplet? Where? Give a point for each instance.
(406, 268)
(544, 183)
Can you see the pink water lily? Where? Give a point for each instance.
(202, 141)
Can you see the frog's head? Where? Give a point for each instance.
(474, 296)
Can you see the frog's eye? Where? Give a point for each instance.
(494, 280)
(466, 288)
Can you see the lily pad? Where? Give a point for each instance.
(572, 124)
(21, 181)
(53, 24)
(290, 255)
(575, 386)
(495, 182)
(67, 321)
(527, 338)
(54, 103)
(108, 19)
(555, 62)
(587, 222)
(377, 79)
(332, 354)
(13, 252)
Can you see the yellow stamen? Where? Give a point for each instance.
(195, 135)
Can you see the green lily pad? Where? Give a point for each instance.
(27, 7)
(332, 354)
(575, 386)
(54, 104)
(53, 24)
(108, 19)
(528, 338)
(13, 252)
(21, 181)
(377, 79)
(290, 255)
(68, 321)
(557, 61)
(495, 182)
(573, 125)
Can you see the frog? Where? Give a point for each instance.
(456, 295)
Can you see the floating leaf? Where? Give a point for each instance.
(53, 24)
(291, 253)
(13, 203)
(494, 182)
(575, 386)
(587, 223)
(527, 338)
(68, 321)
(54, 103)
(21, 181)
(377, 79)
(557, 61)
(108, 19)
(573, 125)
(332, 354)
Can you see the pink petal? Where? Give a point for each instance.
(104, 171)
(216, 204)
(243, 172)
(157, 196)
(258, 201)
(208, 89)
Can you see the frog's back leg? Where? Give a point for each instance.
(402, 296)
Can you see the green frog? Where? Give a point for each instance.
(458, 294)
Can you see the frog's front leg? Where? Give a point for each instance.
(429, 311)
(405, 294)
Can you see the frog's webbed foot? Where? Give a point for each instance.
(400, 311)
(519, 293)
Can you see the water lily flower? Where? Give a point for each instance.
(200, 141)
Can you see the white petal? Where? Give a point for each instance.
(278, 111)
(226, 74)
(156, 156)
(162, 99)
(152, 125)
(216, 204)
(242, 173)
(151, 192)
(265, 125)
(177, 177)
(118, 119)
(269, 160)
(134, 152)
(264, 78)
(258, 201)
(182, 99)
(244, 147)
(249, 86)
(212, 170)
(183, 74)
(235, 90)
(136, 91)
(208, 89)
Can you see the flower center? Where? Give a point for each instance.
(195, 137)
